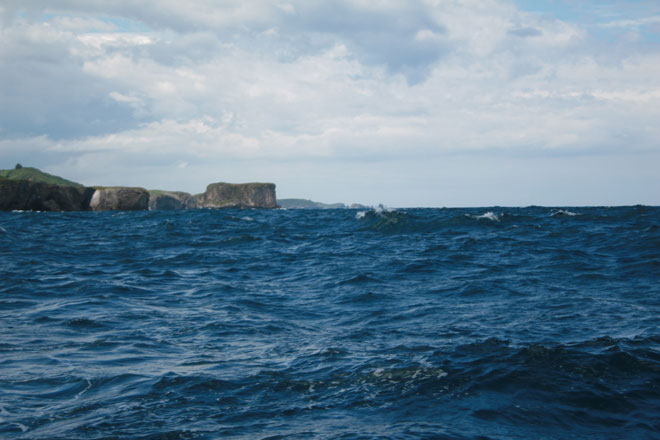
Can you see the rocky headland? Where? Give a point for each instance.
(29, 189)
(24, 195)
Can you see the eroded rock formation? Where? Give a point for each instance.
(169, 200)
(238, 195)
(120, 198)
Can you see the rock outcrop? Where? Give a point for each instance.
(238, 195)
(169, 200)
(30, 189)
(120, 198)
(24, 195)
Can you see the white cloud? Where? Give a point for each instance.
(635, 23)
(323, 82)
(123, 98)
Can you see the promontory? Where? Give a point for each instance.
(29, 189)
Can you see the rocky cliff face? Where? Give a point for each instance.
(34, 196)
(31, 189)
(242, 195)
(168, 200)
(120, 198)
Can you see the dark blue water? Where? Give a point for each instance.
(498, 323)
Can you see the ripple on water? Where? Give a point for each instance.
(418, 323)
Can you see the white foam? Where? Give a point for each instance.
(564, 212)
(89, 385)
(382, 208)
(3, 230)
(247, 219)
(490, 215)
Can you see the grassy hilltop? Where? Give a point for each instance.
(35, 175)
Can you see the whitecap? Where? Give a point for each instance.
(378, 210)
(247, 219)
(2, 230)
(382, 208)
(565, 212)
(490, 215)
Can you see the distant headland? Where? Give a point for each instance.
(30, 189)
(309, 204)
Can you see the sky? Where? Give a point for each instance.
(398, 102)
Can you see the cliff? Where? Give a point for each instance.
(31, 189)
(168, 200)
(25, 195)
(119, 198)
(242, 195)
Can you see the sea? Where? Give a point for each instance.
(488, 323)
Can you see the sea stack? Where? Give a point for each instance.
(238, 195)
(120, 198)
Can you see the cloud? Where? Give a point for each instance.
(204, 83)
(525, 32)
(46, 91)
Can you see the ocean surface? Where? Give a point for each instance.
(493, 323)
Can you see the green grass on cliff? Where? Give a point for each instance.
(35, 175)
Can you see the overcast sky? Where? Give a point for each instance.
(405, 103)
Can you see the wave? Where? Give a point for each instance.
(490, 215)
(563, 213)
(384, 220)
(491, 380)
(394, 323)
